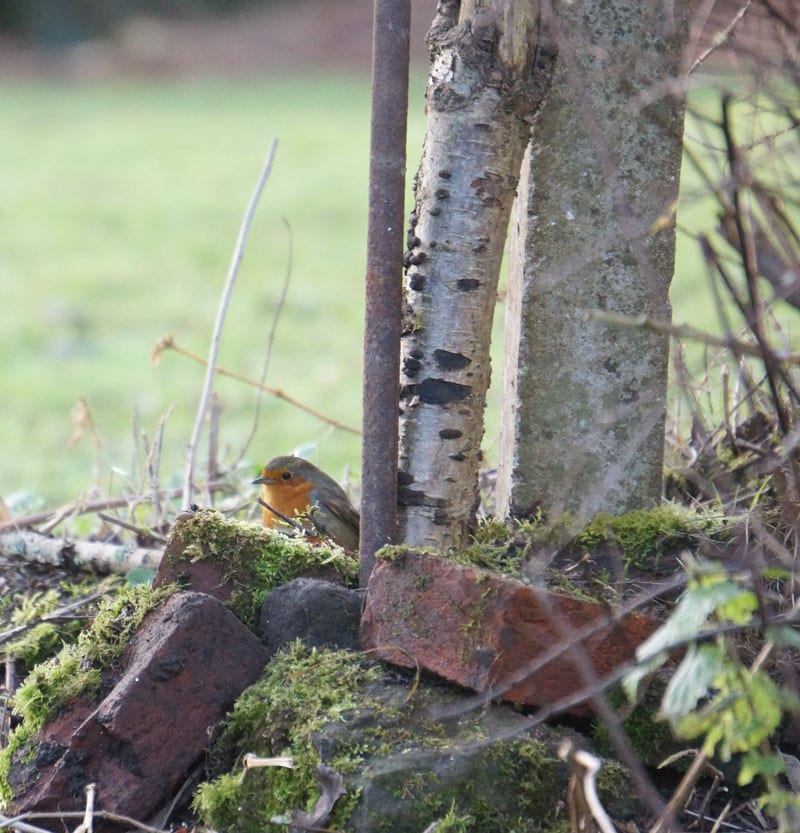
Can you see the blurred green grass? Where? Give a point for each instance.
(120, 206)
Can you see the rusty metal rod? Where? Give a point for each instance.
(387, 167)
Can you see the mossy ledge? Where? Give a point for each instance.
(409, 756)
(253, 559)
(643, 538)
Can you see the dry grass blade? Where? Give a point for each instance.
(208, 384)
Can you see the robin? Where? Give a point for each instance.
(291, 486)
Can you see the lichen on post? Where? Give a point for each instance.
(593, 229)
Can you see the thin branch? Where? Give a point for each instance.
(81, 507)
(208, 384)
(103, 557)
(290, 521)
(745, 348)
(168, 343)
(270, 339)
(142, 532)
(61, 614)
(153, 465)
(18, 822)
(721, 37)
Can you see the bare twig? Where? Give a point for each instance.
(270, 339)
(141, 531)
(168, 343)
(213, 469)
(208, 384)
(153, 464)
(582, 795)
(290, 521)
(736, 346)
(65, 613)
(721, 37)
(251, 761)
(84, 507)
(20, 822)
(87, 824)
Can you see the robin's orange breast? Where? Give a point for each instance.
(291, 486)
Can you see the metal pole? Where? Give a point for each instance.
(387, 166)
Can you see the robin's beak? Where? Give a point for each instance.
(261, 480)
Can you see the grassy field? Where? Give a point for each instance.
(120, 207)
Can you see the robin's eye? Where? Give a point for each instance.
(287, 475)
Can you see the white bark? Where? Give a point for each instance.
(92, 555)
(484, 89)
(583, 427)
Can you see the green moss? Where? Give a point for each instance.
(42, 639)
(650, 737)
(559, 582)
(501, 547)
(76, 670)
(301, 691)
(254, 559)
(644, 535)
(504, 786)
(617, 791)
(402, 768)
(18, 743)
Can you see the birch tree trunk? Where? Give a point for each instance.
(486, 83)
(583, 423)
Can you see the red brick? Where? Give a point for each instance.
(489, 632)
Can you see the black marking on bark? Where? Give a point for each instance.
(416, 497)
(411, 366)
(450, 433)
(442, 392)
(404, 478)
(445, 174)
(440, 517)
(416, 353)
(417, 282)
(442, 194)
(451, 361)
(435, 211)
(459, 457)
(415, 259)
(468, 284)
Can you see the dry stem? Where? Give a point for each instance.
(208, 384)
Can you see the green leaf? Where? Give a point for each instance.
(139, 575)
(692, 680)
(687, 621)
(753, 764)
(784, 635)
(739, 610)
